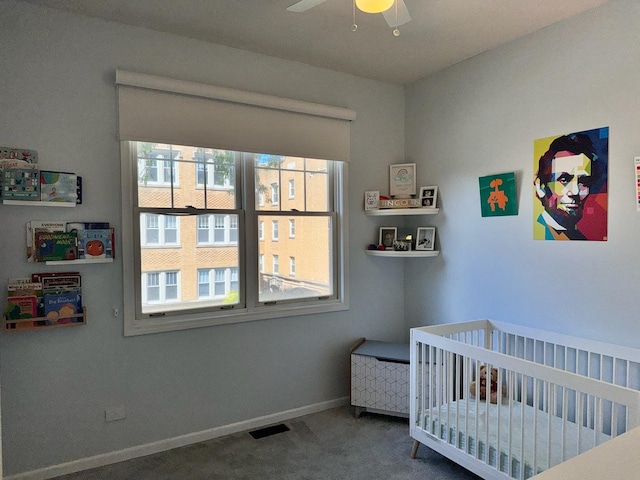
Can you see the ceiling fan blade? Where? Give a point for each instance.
(304, 5)
(403, 14)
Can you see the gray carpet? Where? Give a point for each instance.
(326, 445)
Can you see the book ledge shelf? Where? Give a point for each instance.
(402, 211)
(79, 260)
(14, 325)
(37, 203)
(395, 253)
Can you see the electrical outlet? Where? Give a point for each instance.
(116, 312)
(111, 414)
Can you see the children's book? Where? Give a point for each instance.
(18, 158)
(23, 300)
(20, 308)
(96, 243)
(52, 246)
(58, 187)
(20, 184)
(58, 282)
(40, 225)
(59, 308)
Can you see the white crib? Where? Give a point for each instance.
(563, 395)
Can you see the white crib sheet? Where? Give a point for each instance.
(467, 428)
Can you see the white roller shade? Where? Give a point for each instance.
(164, 110)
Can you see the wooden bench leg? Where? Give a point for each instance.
(414, 449)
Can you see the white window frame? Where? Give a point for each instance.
(250, 309)
(275, 230)
(292, 266)
(292, 228)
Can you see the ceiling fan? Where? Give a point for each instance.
(395, 12)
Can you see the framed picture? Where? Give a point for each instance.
(371, 199)
(402, 180)
(387, 236)
(426, 238)
(428, 197)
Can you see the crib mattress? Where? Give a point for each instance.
(483, 429)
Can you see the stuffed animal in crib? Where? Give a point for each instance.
(480, 387)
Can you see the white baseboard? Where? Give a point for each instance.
(174, 442)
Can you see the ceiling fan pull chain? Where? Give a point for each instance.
(396, 32)
(354, 27)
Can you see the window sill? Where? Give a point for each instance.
(145, 326)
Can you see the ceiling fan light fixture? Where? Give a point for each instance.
(374, 6)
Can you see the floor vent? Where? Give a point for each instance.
(268, 431)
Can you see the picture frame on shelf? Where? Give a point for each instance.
(402, 180)
(428, 197)
(426, 238)
(387, 236)
(371, 199)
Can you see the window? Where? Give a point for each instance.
(160, 287)
(212, 205)
(224, 286)
(217, 229)
(153, 169)
(158, 230)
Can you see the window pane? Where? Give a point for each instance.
(185, 286)
(203, 228)
(312, 251)
(186, 164)
(305, 181)
(203, 284)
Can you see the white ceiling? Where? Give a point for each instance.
(440, 34)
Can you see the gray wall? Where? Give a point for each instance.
(57, 96)
(481, 117)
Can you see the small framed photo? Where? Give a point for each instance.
(428, 197)
(387, 236)
(402, 180)
(426, 238)
(371, 199)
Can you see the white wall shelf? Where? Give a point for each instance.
(402, 211)
(37, 203)
(412, 253)
(79, 260)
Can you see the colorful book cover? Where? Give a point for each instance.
(18, 158)
(59, 308)
(53, 246)
(40, 225)
(19, 308)
(58, 187)
(96, 243)
(20, 184)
